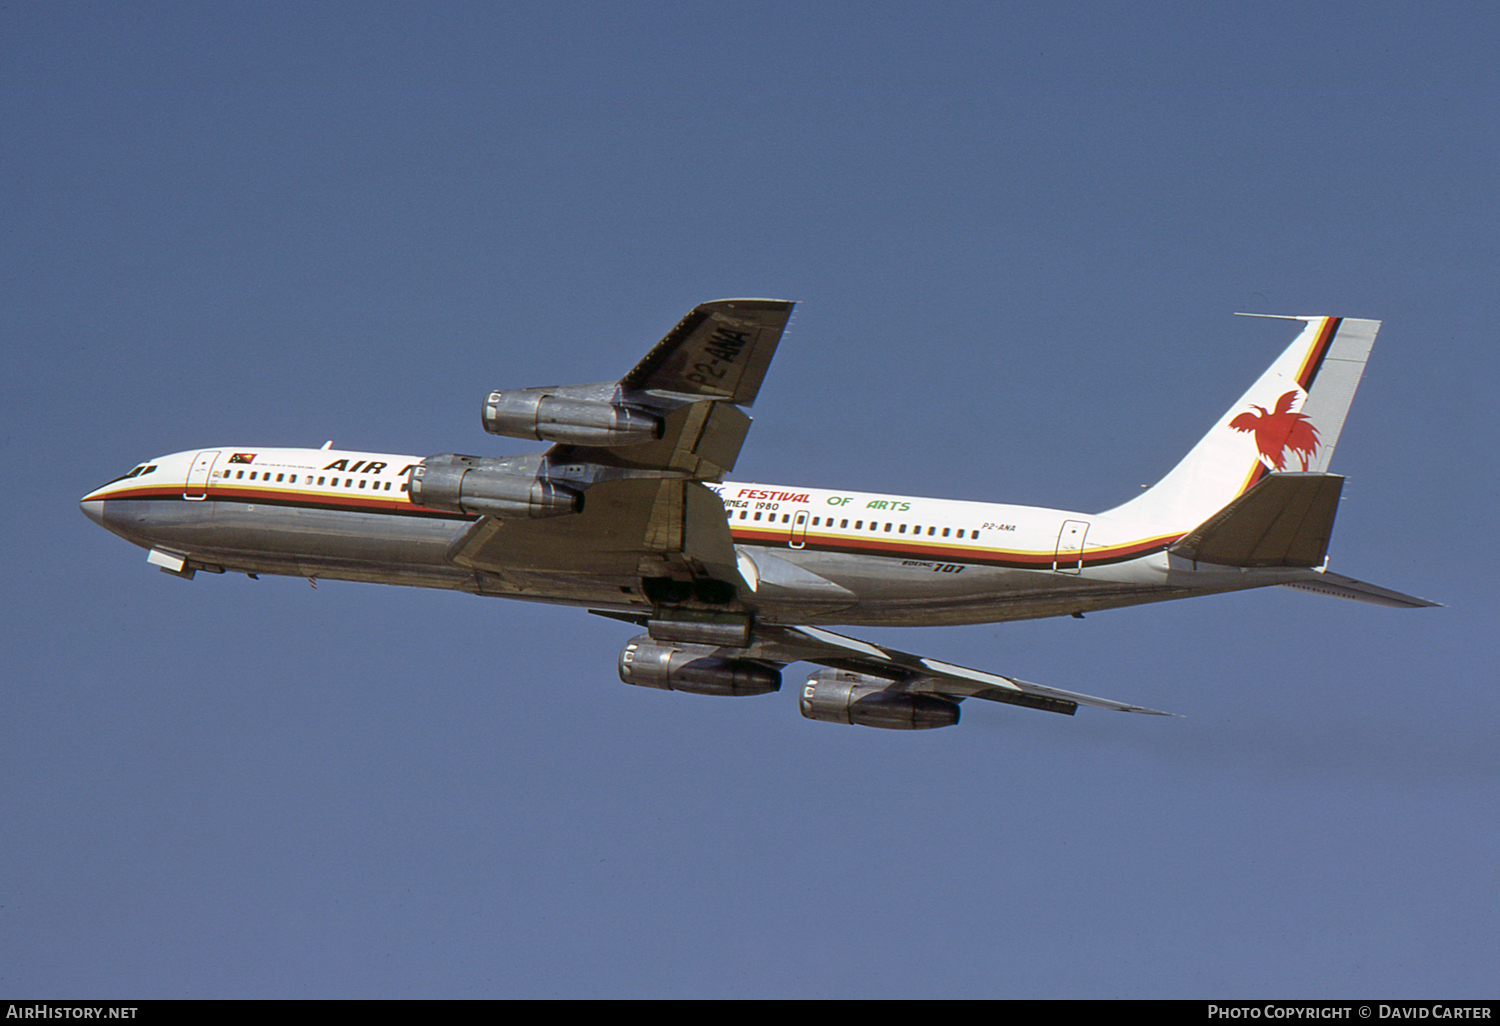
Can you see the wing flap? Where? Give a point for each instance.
(629, 528)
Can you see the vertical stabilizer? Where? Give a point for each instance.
(1289, 420)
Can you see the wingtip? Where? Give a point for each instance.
(1152, 712)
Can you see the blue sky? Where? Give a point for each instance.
(1016, 234)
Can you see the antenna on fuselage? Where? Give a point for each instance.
(327, 445)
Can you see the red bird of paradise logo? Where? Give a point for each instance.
(1280, 430)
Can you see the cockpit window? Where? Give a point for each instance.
(144, 468)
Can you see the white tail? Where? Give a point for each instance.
(1289, 420)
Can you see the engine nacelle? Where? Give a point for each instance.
(693, 668)
(839, 696)
(469, 484)
(535, 413)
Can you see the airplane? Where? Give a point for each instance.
(628, 514)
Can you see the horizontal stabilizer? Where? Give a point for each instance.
(1325, 583)
(1284, 520)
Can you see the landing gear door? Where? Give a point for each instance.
(1069, 556)
(197, 481)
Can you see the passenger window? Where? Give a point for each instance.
(241, 476)
(744, 514)
(320, 480)
(903, 529)
(757, 516)
(887, 528)
(843, 524)
(945, 531)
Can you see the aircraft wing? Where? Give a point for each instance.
(715, 359)
(647, 515)
(629, 529)
(923, 675)
(907, 672)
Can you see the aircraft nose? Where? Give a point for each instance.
(93, 509)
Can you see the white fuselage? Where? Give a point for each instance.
(806, 555)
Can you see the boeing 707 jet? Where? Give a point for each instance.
(629, 515)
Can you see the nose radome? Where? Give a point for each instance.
(93, 509)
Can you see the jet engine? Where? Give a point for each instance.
(471, 484)
(694, 668)
(537, 413)
(839, 696)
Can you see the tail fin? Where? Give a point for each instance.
(1289, 420)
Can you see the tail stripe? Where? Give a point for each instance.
(1315, 355)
